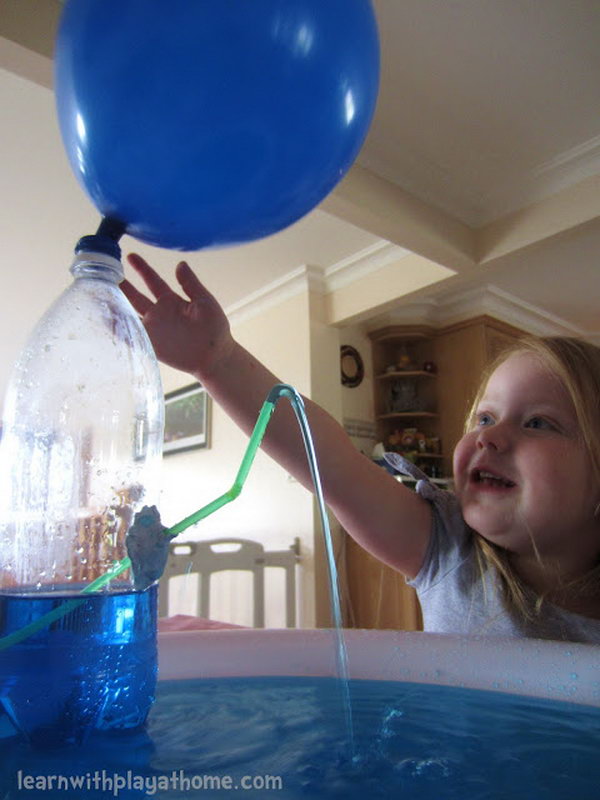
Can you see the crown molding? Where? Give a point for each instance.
(314, 279)
(460, 306)
(514, 192)
(302, 279)
(362, 264)
(495, 302)
(437, 312)
(544, 180)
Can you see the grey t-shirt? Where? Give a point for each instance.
(456, 598)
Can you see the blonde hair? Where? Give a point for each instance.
(576, 363)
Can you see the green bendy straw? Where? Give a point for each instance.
(120, 566)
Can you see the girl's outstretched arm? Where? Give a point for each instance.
(193, 335)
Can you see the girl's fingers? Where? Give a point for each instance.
(138, 300)
(151, 278)
(190, 283)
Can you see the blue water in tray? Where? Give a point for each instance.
(412, 741)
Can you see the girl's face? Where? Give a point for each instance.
(523, 472)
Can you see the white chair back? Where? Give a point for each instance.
(204, 558)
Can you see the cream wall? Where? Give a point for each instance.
(272, 508)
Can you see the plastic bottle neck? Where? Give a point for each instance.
(97, 265)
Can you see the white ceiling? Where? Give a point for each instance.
(486, 107)
(482, 100)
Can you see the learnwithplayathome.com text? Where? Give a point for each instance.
(112, 784)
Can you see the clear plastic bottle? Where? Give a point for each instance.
(80, 453)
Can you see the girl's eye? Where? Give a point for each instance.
(539, 423)
(484, 419)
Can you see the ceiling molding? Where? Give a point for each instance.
(438, 311)
(362, 264)
(313, 279)
(548, 178)
(489, 300)
(302, 279)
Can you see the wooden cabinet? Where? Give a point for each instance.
(378, 595)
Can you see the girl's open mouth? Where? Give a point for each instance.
(485, 478)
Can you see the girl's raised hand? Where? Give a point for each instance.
(192, 334)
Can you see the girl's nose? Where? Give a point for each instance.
(494, 437)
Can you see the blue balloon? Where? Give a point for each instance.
(201, 123)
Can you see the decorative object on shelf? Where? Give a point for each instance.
(187, 419)
(394, 440)
(403, 396)
(411, 440)
(430, 366)
(413, 443)
(351, 365)
(405, 362)
(433, 445)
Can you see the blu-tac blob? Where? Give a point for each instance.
(200, 123)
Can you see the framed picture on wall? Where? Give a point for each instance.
(187, 419)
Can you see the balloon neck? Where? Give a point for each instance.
(105, 240)
(111, 228)
(99, 255)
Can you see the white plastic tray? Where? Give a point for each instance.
(560, 671)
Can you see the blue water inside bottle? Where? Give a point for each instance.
(94, 668)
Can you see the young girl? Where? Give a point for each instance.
(516, 550)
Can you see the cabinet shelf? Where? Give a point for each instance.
(408, 415)
(412, 373)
